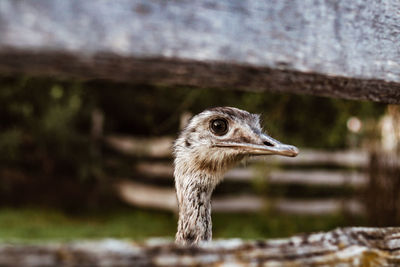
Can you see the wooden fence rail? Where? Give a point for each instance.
(148, 196)
(346, 49)
(305, 177)
(341, 247)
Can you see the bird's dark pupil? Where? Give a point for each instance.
(219, 126)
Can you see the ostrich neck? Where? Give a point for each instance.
(194, 199)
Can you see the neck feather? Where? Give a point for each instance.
(196, 175)
(194, 191)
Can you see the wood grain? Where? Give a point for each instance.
(346, 49)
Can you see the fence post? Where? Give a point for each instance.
(382, 193)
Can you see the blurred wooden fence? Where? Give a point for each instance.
(312, 168)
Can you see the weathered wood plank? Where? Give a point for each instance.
(148, 196)
(354, 246)
(248, 174)
(345, 48)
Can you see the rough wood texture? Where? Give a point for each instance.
(341, 48)
(340, 247)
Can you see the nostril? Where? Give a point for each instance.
(268, 143)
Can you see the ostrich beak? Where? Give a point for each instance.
(272, 146)
(265, 145)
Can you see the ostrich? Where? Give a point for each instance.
(212, 142)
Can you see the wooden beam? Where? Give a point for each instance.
(346, 49)
(353, 246)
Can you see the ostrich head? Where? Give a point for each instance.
(212, 142)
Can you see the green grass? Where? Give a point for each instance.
(258, 226)
(44, 225)
(32, 225)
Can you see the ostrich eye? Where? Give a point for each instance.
(219, 126)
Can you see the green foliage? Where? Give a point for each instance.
(41, 125)
(10, 141)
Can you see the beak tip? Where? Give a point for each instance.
(294, 151)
